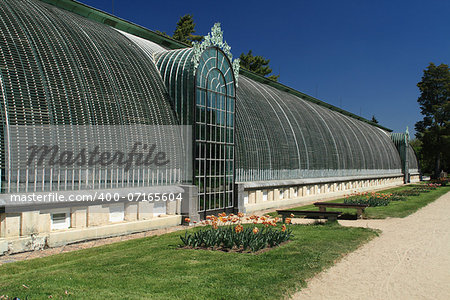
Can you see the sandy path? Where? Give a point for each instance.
(410, 260)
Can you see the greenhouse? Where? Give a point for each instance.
(79, 78)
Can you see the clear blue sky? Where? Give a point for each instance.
(364, 56)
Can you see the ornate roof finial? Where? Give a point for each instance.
(215, 38)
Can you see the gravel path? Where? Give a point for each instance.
(410, 260)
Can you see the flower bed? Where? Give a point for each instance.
(431, 186)
(373, 199)
(231, 233)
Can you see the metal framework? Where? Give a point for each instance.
(57, 68)
(214, 134)
(281, 136)
(64, 68)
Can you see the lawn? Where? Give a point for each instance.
(395, 209)
(154, 267)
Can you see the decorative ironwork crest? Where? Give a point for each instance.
(215, 38)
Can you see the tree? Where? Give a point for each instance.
(257, 64)
(434, 130)
(184, 32)
(374, 120)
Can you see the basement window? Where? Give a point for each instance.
(159, 208)
(281, 193)
(60, 220)
(265, 195)
(116, 213)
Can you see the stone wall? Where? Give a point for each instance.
(37, 227)
(257, 196)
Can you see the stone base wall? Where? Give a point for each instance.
(266, 197)
(37, 229)
(414, 178)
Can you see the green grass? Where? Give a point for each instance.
(155, 268)
(395, 209)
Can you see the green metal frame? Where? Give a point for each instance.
(121, 24)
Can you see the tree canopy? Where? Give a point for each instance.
(433, 131)
(257, 64)
(184, 32)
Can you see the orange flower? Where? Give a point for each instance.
(255, 230)
(187, 220)
(208, 217)
(235, 220)
(214, 225)
(238, 228)
(288, 221)
(240, 215)
(283, 228)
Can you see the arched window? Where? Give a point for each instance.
(214, 133)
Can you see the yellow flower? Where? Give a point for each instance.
(283, 228)
(238, 228)
(255, 230)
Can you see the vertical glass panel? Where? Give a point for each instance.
(215, 123)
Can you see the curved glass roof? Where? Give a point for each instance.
(280, 136)
(412, 160)
(58, 68)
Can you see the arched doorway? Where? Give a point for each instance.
(214, 133)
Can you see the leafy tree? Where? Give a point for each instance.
(374, 120)
(434, 130)
(257, 64)
(184, 32)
